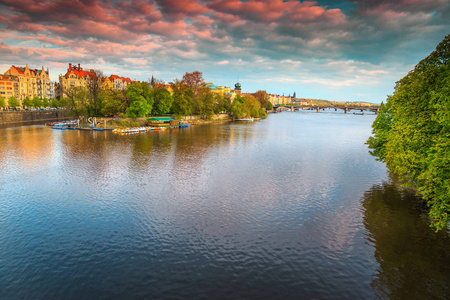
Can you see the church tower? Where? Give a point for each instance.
(237, 88)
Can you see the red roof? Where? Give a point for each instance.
(80, 74)
(164, 85)
(113, 77)
(18, 69)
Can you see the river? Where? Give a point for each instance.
(292, 207)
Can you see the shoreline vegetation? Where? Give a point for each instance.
(411, 132)
(137, 122)
(189, 96)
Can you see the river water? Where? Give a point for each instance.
(292, 207)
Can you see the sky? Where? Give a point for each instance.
(335, 50)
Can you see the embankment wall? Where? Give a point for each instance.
(32, 117)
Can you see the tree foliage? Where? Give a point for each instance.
(162, 99)
(94, 87)
(141, 100)
(113, 102)
(45, 102)
(36, 102)
(27, 102)
(263, 99)
(13, 102)
(2, 102)
(193, 80)
(247, 106)
(184, 97)
(412, 131)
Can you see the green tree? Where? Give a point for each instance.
(2, 102)
(380, 129)
(222, 103)
(162, 98)
(113, 102)
(193, 83)
(76, 100)
(54, 102)
(252, 106)
(263, 98)
(141, 100)
(247, 106)
(237, 108)
(36, 102)
(27, 102)
(45, 102)
(411, 131)
(182, 98)
(13, 102)
(207, 100)
(94, 88)
(138, 109)
(64, 102)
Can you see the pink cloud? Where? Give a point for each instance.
(257, 9)
(181, 9)
(310, 11)
(229, 19)
(93, 29)
(39, 53)
(174, 29)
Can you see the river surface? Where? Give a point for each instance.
(292, 207)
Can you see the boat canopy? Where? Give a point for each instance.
(161, 119)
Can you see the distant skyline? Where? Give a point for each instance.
(334, 50)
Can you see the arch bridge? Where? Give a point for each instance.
(318, 108)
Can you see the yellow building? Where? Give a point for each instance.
(107, 84)
(9, 86)
(119, 83)
(74, 77)
(32, 82)
(221, 90)
(279, 100)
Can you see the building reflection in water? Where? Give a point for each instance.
(414, 261)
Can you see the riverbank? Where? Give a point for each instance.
(25, 118)
(118, 123)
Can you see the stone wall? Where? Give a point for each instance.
(32, 117)
(218, 117)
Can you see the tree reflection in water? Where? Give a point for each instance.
(414, 261)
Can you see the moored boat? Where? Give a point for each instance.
(62, 123)
(166, 122)
(60, 127)
(133, 130)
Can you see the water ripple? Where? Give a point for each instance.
(234, 211)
